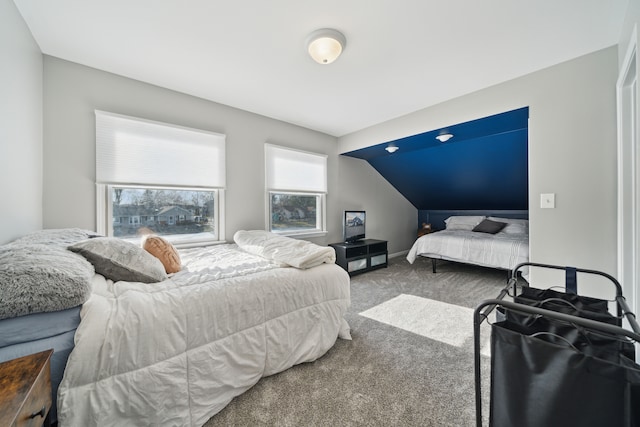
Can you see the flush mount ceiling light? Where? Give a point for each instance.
(326, 45)
(392, 148)
(444, 137)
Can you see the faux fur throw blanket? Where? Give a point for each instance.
(285, 250)
(38, 274)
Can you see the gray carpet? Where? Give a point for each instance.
(385, 376)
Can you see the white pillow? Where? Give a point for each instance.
(462, 222)
(515, 229)
(524, 222)
(514, 225)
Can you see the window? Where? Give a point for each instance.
(178, 215)
(296, 191)
(159, 178)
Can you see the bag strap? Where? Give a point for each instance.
(571, 280)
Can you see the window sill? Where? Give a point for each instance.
(303, 234)
(195, 243)
(199, 244)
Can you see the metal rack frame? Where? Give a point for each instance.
(483, 310)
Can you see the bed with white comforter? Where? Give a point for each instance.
(504, 249)
(178, 351)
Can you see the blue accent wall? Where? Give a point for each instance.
(483, 167)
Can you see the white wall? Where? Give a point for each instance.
(632, 17)
(72, 93)
(572, 152)
(20, 126)
(629, 264)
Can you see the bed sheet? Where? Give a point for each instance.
(37, 326)
(489, 250)
(24, 335)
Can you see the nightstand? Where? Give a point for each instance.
(25, 390)
(425, 229)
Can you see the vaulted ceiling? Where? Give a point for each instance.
(484, 166)
(400, 56)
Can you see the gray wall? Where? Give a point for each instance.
(572, 152)
(20, 126)
(73, 92)
(389, 215)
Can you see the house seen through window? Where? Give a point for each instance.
(162, 211)
(294, 212)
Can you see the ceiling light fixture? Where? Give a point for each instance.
(392, 149)
(326, 45)
(444, 137)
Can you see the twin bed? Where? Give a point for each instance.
(488, 241)
(175, 351)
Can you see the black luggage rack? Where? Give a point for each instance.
(555, 373)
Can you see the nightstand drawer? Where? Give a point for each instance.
(25, 390)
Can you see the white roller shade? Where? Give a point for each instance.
(293, 170)
(137, 151)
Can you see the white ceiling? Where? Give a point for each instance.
(401, 55)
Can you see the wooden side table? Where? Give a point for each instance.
(25, 390)
(426, 229)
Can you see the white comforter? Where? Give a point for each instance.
(176, 352)
(284, 250)
(490, 250)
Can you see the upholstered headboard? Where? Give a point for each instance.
(436, 217)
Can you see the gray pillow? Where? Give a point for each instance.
(56, 236)
(41, 278)
(488, 226)
(117, 259)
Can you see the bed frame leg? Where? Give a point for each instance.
(433, 264)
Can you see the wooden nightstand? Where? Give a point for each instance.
(25, 390)
(425, 229)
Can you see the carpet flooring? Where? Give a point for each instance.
(399, 370)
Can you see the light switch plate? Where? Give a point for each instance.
(547, 200)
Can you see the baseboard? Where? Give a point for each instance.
(397, 254)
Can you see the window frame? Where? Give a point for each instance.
(320, 193)
(104, 211)
(321, 215)
(124, 142)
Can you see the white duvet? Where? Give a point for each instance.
(284, 250)
(489, 250)
(175, 353)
